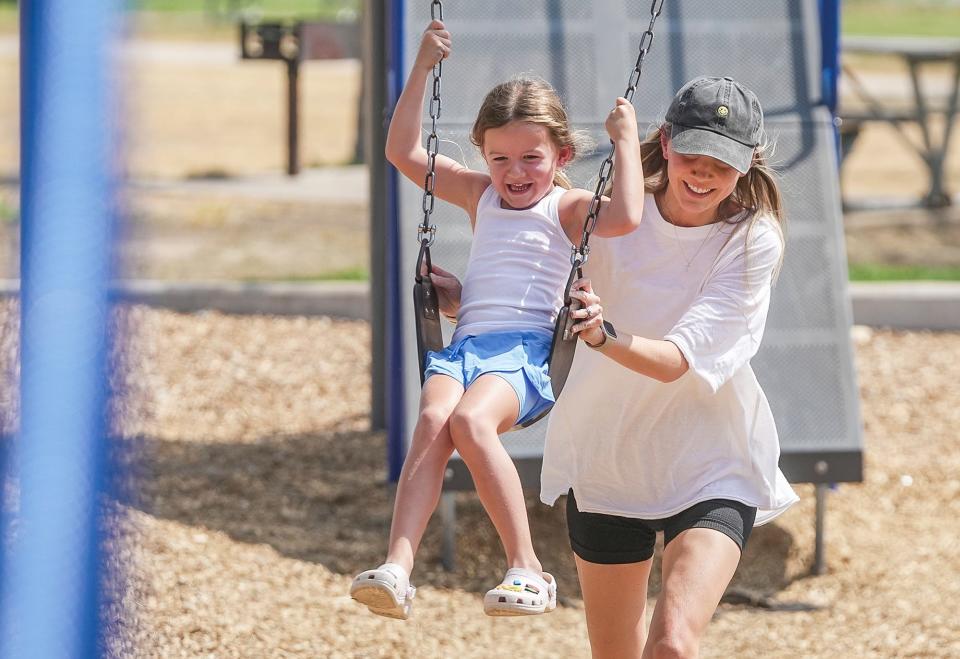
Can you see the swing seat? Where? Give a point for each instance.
(426, 308)
(562, 349)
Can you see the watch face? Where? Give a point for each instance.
(608, 329)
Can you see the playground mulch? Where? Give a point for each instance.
(259, 489)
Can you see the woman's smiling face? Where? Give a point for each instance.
(696, 187)
(522, 159)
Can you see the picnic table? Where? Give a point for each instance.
(923, 107)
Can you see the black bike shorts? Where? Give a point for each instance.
(611, 539)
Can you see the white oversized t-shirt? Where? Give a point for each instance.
(632, 446)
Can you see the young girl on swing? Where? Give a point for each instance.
(525, 220)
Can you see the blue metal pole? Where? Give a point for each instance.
(50, 600)
(396, 294)
(830, 51)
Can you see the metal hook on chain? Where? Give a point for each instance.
(579, 255)
(426, 233)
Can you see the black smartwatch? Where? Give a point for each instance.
(608, 333)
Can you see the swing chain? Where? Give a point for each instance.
(606, 169)
(433, 143)
(646, 40)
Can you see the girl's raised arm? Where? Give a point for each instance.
(454, 182)
(621, 212)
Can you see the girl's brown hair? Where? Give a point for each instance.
(535, 101)
(757, 191)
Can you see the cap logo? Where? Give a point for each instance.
(723, 111)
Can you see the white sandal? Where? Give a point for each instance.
(522, 593)
(386, 591)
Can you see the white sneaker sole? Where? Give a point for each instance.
(501, 606)
(380, 598)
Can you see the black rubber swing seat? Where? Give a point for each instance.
(430, 336)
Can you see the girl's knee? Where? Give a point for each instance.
(468, 427)
(429, 435)
(432, 417)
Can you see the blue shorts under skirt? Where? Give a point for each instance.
(520, 358)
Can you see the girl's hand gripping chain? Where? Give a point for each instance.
(621, 210)
(621, 123)
(434, 46)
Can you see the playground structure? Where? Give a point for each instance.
(805, 364)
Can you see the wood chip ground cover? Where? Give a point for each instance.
(260, 489)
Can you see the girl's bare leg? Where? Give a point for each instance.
(697, 566)
(489, 407)
(615, 602)
(421, 478)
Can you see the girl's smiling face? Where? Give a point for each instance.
(522, 158)
(696, 186)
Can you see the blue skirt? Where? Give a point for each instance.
(518, 357)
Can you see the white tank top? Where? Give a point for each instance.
(519, 264)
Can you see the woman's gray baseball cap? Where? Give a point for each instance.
(716, 117)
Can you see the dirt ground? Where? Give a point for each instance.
(259, 490)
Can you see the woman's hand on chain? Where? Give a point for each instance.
(590, 315)
(448, 289)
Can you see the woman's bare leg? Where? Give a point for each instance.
(697, 566)
(421, 478)
(615, 601)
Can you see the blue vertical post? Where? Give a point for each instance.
(830, 59)
(396, 295)
(830, 50)
(50, 598)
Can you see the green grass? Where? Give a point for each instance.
(900, 17)
(874, 17)
(216, 20)
(880, 272)
(7, 213)
(213, 20)
(347, 274)
(8, 19)
(224, 9)
(858, 272)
